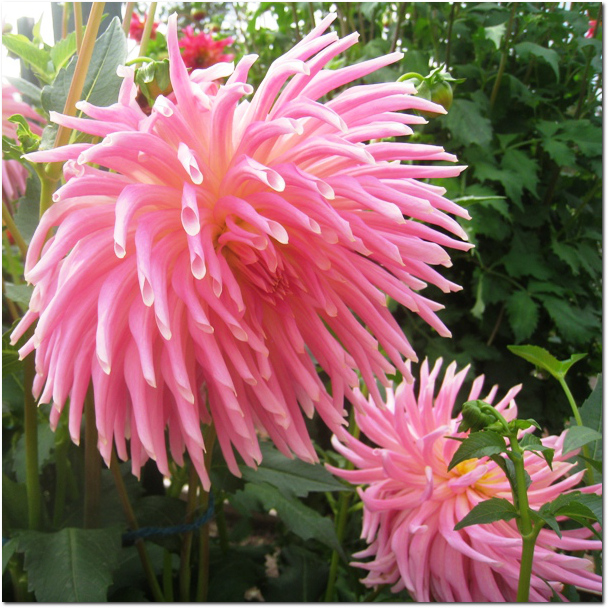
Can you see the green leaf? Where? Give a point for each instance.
(591, 413)
(547, 518)
(495, 33)
(573, 324)
(595, 504)
(291, 476)
(8, 550)
(566, 253)
(522, 311)
(525, 49)
(233, 573)
(20, 294)
(300, 519)
(525, 167)
(72, 565)
(559, 152)
(467, 124)
(545, 360)
(488, 511)
(38, 59)
(102, 83)
(532, 443)
(63, 50)
(28, 208)
(526, 258)
(578, 436)
(478, 445)
(14, 504)
(26, 88)
(46, 444)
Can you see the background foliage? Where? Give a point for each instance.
(526, 119)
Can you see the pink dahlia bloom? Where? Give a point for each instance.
(200, 50)
(137, 25)
(235, 245)
(14, 174)
(412, 503)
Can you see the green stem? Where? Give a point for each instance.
(62, 445)
(92, 465)
(64, 20)
(167, 577)
(527, 533)
(341, 519)
(32, 481)
(78, 25)
(579, 422)
(503, 58)
(126, 22)
(400, 15)
(184, 566)
(7, 218)
(47, 188)
(139, 60)
(202, 585)
(132, 521)
(76, 86)
(143, 47)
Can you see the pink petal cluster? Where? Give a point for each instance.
(14, 174)
(200, 50)
(412, 503)
(240, 239)
(137, 25)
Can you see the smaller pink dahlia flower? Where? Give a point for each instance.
(14, 174)
(412, 502)
(200, 50)
(137, 25)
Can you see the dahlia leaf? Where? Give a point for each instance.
(290, 475)
(26, 88)
(522, 311)
(532, 443)
(575, 325)
(102, 82)
(488, 511)
(582, 508)
(525, 49)
(592, 416)
(20, 294)
(234, 572)
(522, 165)
(478, 445)
(14, 504)
(38, 59)
(46, 444)
(594, 503)
(467, 124)
(8, 550)
(28, 208)
(299, 519)
(72, 565)
(578, 436)
(546, 518)
(545, 360)
(63, 50)
(128, 572)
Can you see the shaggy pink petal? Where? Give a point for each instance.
(412, 503)
(233, 246)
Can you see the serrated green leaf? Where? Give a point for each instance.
(8, 550)
(300, 519)
(102, 83)
(495, 33)
(578, 436)
(291, 476)
(525, 258)
(591, 413)
(72, 565)
(522, 312)
(467, 124)
(488, 511)
(532, 443)
(594, 503)
(560, 152)
(547, 518)
(525, 49)
(575, 325)
(567, 254)
(38, 59)
(63, 50)
(478, 445)
(544, 359)
(525, 167)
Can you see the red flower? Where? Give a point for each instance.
(201, 50)
(591, 31)
(136, 29)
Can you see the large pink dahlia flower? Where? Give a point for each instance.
(233, 245)
(412, 503)
(14, 174)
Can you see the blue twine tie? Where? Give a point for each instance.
(133, 535)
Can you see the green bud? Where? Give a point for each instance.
(474, 419)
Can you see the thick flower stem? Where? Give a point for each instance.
(92, 465)
(7, 218)
(341, 519)
(78, 25)
(32, 481)
(132, 521)
(147, 29)
(62, 445)
(126, 22)
(202, 584)
(75, 91)
(167, 577)
(579, 422)
(503, 58)
(184, 567)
